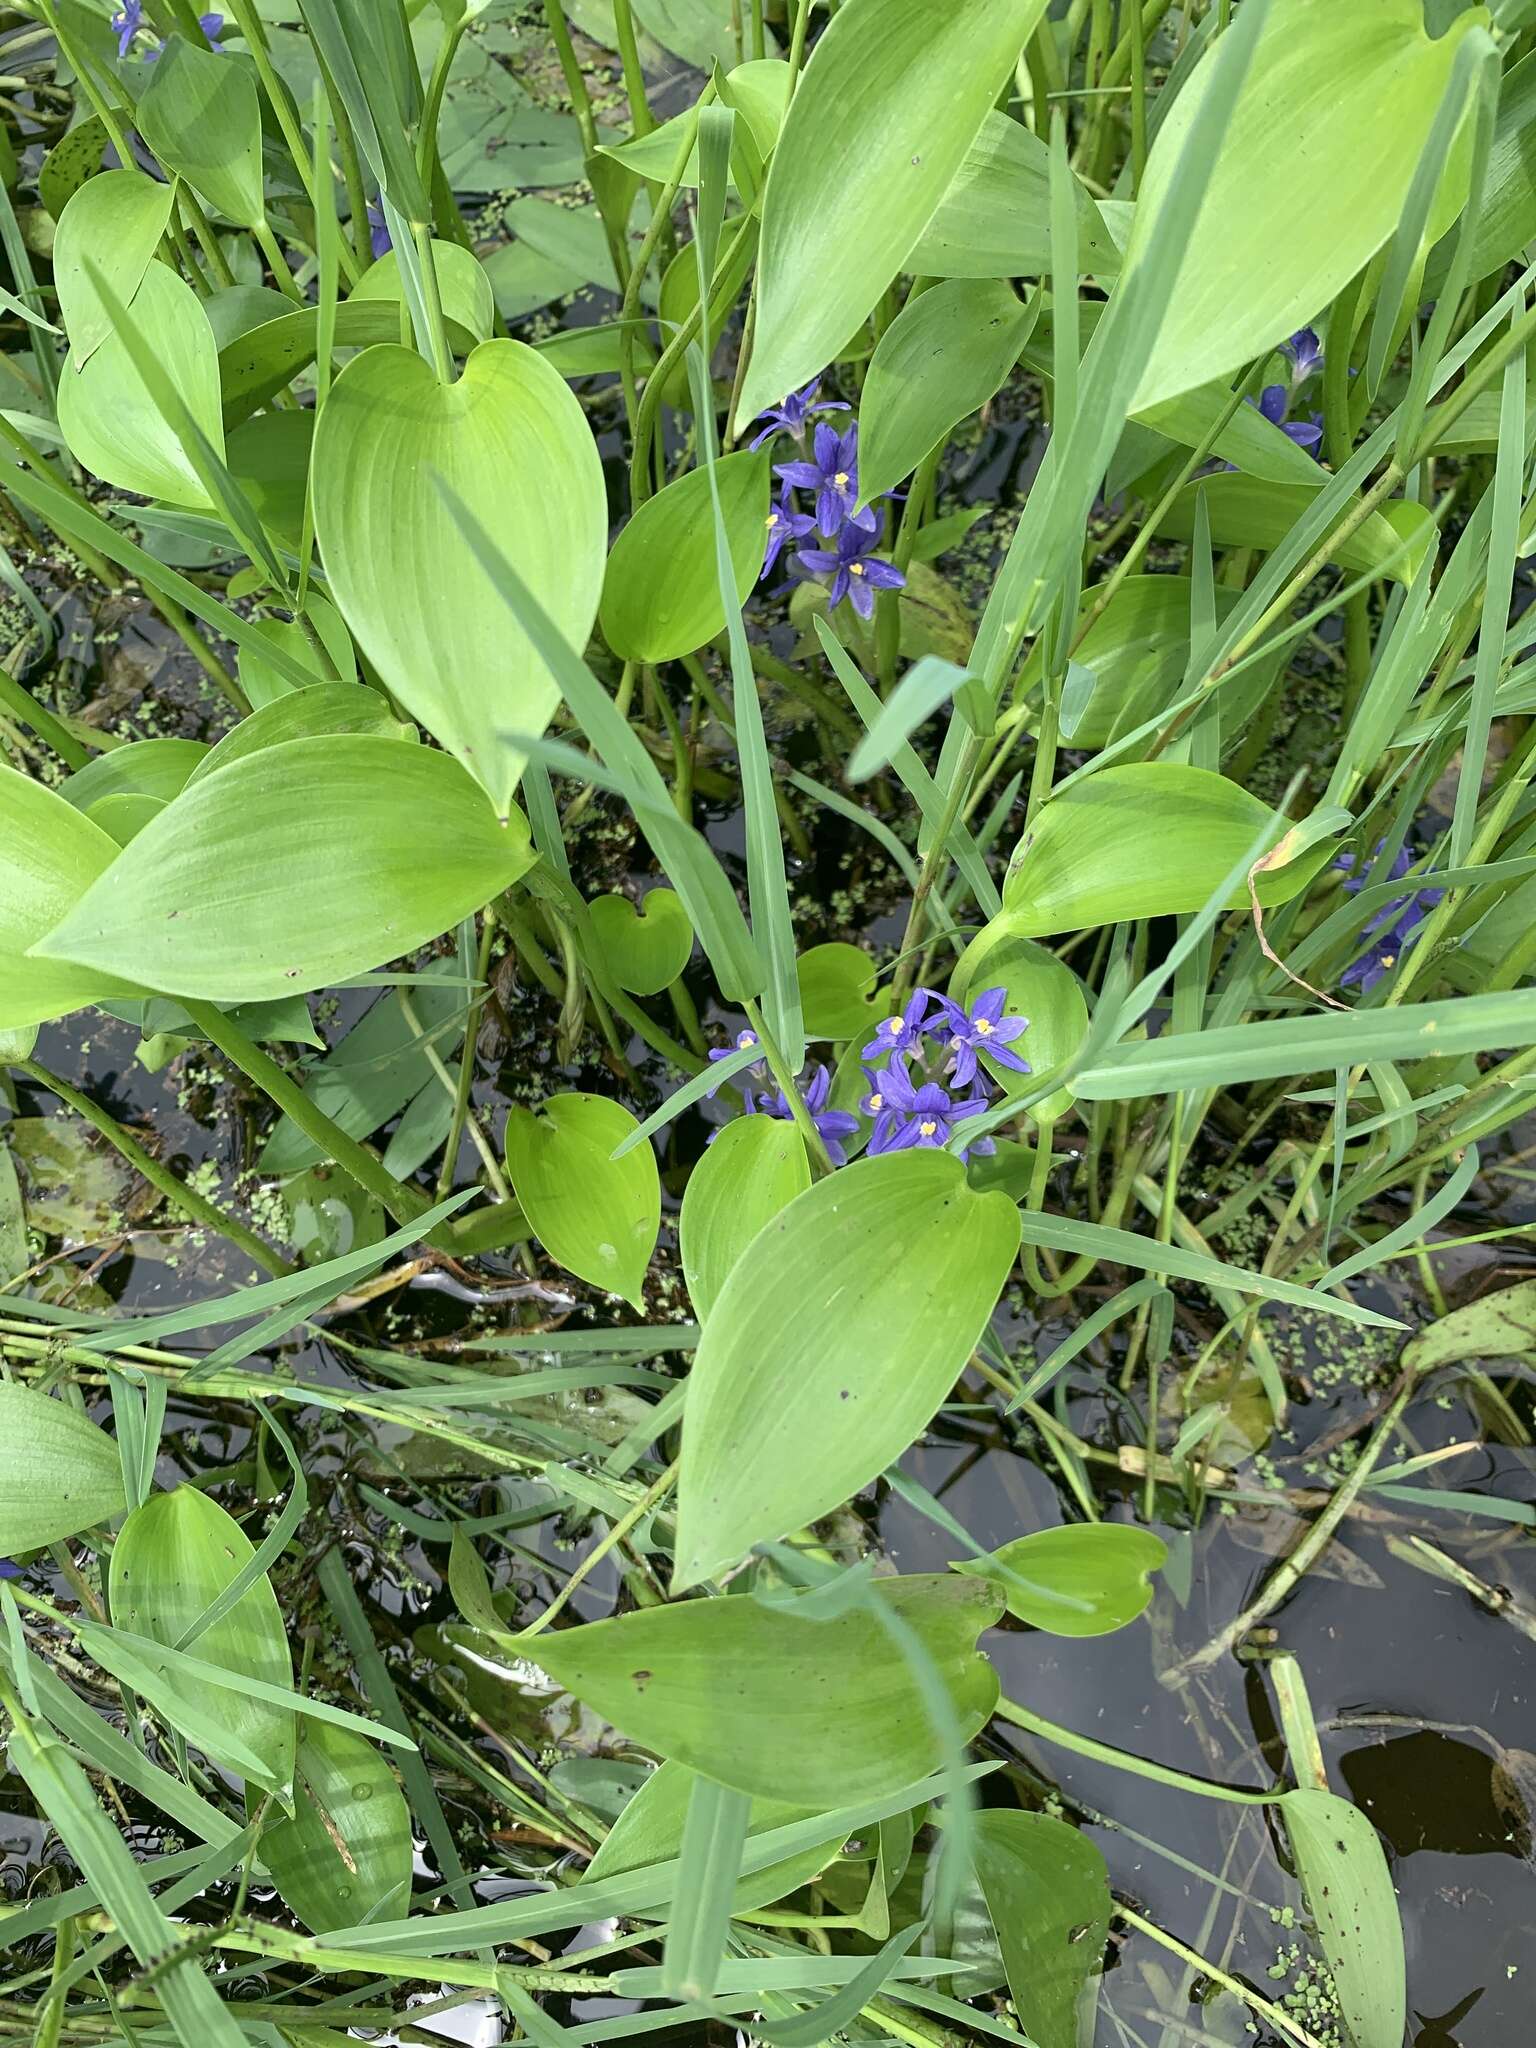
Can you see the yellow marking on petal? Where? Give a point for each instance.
(928, 1129)
(983, 1028)
(771, 521)
(855, 568)
(840, 481)
(877, 1102)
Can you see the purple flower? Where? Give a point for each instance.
(380, 226)
(791, 414)
(917, 1116)
(1306, 354)
(1274, 401)
(983, 1028)
(784, 524)
(125, 25)
(854, 573)
(901, 1033)
(740, 1043)
(1393, 928)
(212, 26)
(832, 1125)
(834, 477)
(9, 1569)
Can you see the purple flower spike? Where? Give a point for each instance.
(1394, 927)
(125, 25)
(918, 1117)
(901, 1034)
(983, 1028)
(380, 227)
(832, 1125)
(784, 524)
(792, 414)
(1306, 354)
(834, 477)
(739, 1043)
(1274, 402)
(212, 26)
(855, 574)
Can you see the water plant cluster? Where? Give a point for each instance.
(839, 765)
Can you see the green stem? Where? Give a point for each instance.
(934, 863)
(466, 1066)
(192, 1204)
(277, 263)
(404, 1203)
(442, 359)
(790, 1089)
(642, 120)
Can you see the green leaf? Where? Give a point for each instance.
(1349, 1893)
(200, 115)
(754, 1168)
(1506, 220)
(15, 1255)
(645, 946)
(345, 1855)
(840, 991)
(106, 414)
(597, 1216)
(994, 219)
(1039, 987)
(431, 621)
(1101, 1566)
(297, 867)
(944, 355)
(1151, 839)
(329, 709)
(173, 1558)
(59, 1473)
(1137, 651)
(661, 596)
(1047, 1890)
(650, 1830)
(893, 97)
(469, 304)
(157, 768)
(71, 163)
(1251, 511)
(52, 855)
(1278, 1047)
(117, 220)
(838, 1333)
(1328, 128)
(782, 1701)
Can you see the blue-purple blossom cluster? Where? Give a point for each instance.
(9, 1569)
(1394, 927)
(129, 19)
(922, 1072)
(1305, 352)
(831, 474)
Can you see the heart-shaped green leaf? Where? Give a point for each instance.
(840, 994)
(1047, 1890)
(295, 868)
(790, 1701)
(200, 115)
(115, 221)
(1098, 1570)
(107, 415)
(50, 854)
(511, 442)
(1151, 839)
(327, 709)
(839, 1331)
(1039, 987)
(157, 768)
(994, 219)
(1330, 121)
(753, 1168)
(345, 1855)
(59, 1473)
(645, 946)
(597, 1216)
(173, 1557)
(891, 100)
(661, 595)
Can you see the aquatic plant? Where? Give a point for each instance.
(864, 782)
